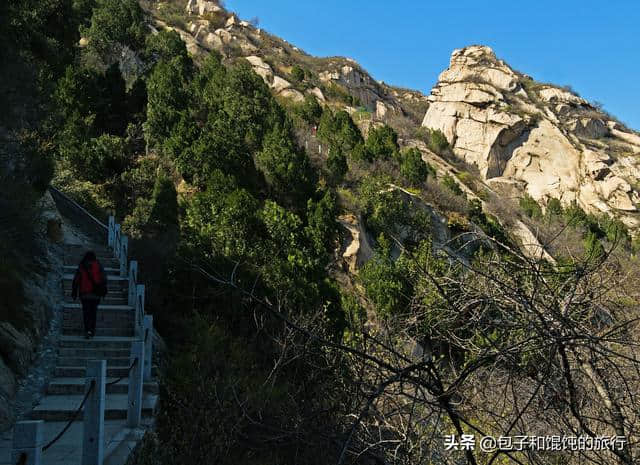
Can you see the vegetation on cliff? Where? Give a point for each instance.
(277, 354)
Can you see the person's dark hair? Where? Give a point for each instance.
(89, 257)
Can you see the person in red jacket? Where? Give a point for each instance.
(90, 284)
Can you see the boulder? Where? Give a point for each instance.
(596, 164)
(591, 128)
(231, 21)
(279, 84)
(381, 109)
(201, 7)
(357, 249)
(16, 348)
(318, 93)
(261, 68)
(224, 35)
(556, 95)
(292, 94)
(212, 41)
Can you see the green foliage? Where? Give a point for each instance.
(578, 218)
(165, 203)
(361, 153)
(413, 168)
(593, 247)
(249, 104)
(554, 207)
(223, 221)
(530, 207)
(339, 131)
(451, 184)
(337, 166)
(489, 224)
(384, 282)
(168, 97)
(309, 110)
(285, 166)
(615, 230)
(105, 157)
(114, 24)
(337, 92)
(137, 223)
(219, 145)
(297, 73)
(382, 142)
(383, 208)
(438, 142)
(97, 98)
(165, 46)
(322, 227)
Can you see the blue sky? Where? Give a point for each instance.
(593, 46)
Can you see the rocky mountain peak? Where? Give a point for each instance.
(526, 136)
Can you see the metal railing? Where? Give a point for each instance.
(27, 440)
(70, 208)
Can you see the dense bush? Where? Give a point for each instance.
(339, 131)
(413, 168)
(297, 73)
(530, 207)
(382, 142)
(438, 142)
(450, 183)
(115, 24)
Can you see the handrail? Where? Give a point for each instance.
(73, 418)
(135, 361)
(77, 205)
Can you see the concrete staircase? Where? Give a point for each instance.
(112, 342)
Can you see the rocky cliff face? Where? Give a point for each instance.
(530, 137)
(211, 27)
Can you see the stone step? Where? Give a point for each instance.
(110, 271)
(124, 324)
(82, 361)
(68, 306)
(92, 352)
(117, 300)
(83, 248)
(106, 262)
(117, 290)
(100, 332)
(111, 280)
(74, 315)
(112, 371)
(78, 325)
(60, 408)
(72, 386)
(96, 342)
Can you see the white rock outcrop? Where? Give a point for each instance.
(543, 138)
(202, 7)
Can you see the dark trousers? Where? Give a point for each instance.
(89, 310)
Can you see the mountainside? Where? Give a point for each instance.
(523, 136)
(343, 271)
(526, 136)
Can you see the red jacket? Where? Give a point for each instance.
(82, 283)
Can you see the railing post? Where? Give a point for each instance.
(133, 277)
(139, 309)
(136, 382)
(110, 234)
(147, 331)
(116, 241)
(124, 253)
(93, 417)
(27, 442)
